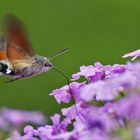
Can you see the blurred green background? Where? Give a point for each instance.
(93, 30)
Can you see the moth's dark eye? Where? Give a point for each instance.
(48, 65)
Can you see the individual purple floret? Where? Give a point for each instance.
(75, 111)
(59, 125)
(64, 94)
(89, 72)
(134, 55)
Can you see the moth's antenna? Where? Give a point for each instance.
(57, 53)
(68, 82)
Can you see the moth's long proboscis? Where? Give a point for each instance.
(57, 53)
(68, 82)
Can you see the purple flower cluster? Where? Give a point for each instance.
(13, 119)
(107, 106)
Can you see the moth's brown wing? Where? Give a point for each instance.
(18, 46)
(2, 49)
(18, 57)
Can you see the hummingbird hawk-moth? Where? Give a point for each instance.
(17, 57)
